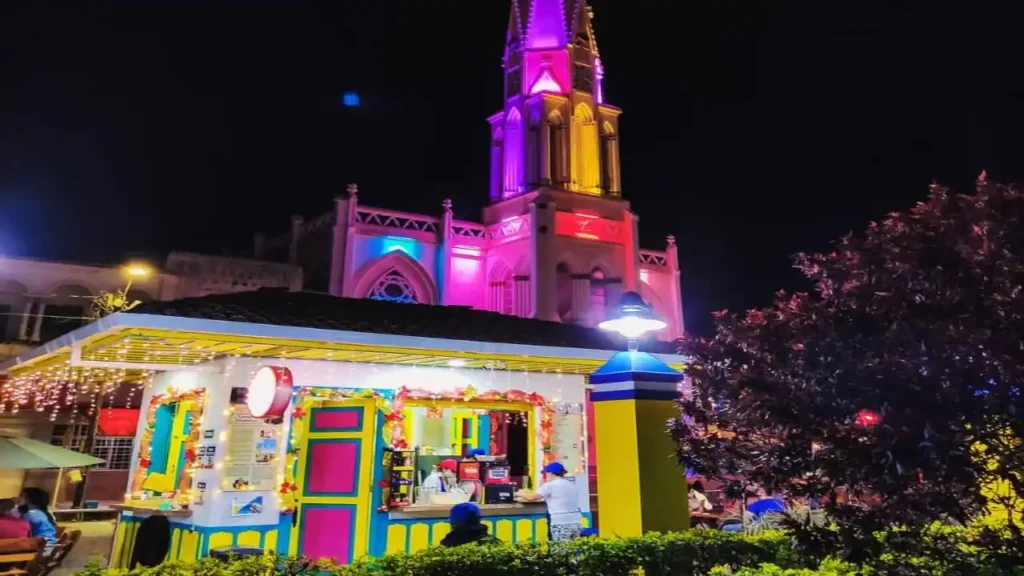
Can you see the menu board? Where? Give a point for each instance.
(252, 453)
(567, 436)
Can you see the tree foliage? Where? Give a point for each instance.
(918, 322)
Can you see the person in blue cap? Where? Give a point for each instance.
(466, 527)
(563, 500)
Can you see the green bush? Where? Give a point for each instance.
(941, 550)
(679, 554)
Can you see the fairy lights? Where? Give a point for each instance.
(61, 387)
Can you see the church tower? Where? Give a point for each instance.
(555, 171)
(555, 129)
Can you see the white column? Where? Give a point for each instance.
(23, 329)
(672, 257)
(545, 153)
(39, 322)
(496, 179)
(348, 283)
(445, 284)
(581, 299)
(339, 236)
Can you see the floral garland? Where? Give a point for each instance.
(146, 440)
(393, 430)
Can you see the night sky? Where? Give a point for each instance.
(750, 130)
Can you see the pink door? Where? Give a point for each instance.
(334, 480)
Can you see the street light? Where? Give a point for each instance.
(108, 303)
(634, 319)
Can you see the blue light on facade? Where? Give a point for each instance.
(350, 99)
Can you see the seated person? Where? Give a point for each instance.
(11, 525)
(466, 527)
(34, 506)
(698, 501)
(768, 504)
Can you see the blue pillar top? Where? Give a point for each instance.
(635, 375)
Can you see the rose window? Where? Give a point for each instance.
(393, 287)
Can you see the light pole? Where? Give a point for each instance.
(634, 396)
(110, 302)
(103, 304)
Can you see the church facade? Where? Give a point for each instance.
(558, 240)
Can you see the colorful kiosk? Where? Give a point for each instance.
(314, 441)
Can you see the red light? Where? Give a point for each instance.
(868, 418)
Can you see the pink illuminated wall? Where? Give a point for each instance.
(588, 227)
(546, 27)
(468, 276)
(552, 65)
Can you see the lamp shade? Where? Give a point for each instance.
(634, 319)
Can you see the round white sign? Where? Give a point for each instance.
(270, 392)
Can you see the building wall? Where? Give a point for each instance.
(536, 255)
(40, 300)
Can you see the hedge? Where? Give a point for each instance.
(695, 552)
(939, 551)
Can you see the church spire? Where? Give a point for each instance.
(555, 129)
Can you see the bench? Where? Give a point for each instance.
(20, 556)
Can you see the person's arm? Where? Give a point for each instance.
(542, 493)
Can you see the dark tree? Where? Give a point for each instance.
(898, 377)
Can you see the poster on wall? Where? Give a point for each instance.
(252, 453)
(246, 505)
(204, 459)
(567, 436)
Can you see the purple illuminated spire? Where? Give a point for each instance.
(546, 25)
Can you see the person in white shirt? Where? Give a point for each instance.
(442, 477)
(698, 500)
(562, 498)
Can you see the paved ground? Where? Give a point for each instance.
(95, 542)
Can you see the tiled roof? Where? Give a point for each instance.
(313, 310)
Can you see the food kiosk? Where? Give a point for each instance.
(329, 459)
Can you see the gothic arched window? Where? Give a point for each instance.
(598, 296)
(586, 175)
(513, 158)
(393, 287)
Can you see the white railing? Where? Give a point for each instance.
(469, 230)
(395, 219)
(653, 258)
(508, 229)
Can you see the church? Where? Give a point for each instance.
(558, 240)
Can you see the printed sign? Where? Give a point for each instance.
(204, 457)
(567, 436)
(252, 453)
(246, 505)
(200, 495)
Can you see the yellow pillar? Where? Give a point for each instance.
(641, 488)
